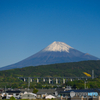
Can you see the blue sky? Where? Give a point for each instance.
(28, 26)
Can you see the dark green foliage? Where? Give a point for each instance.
(9, 78)
(35, 90)
(59, 70)
(12, 98)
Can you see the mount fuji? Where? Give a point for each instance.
(57, 52)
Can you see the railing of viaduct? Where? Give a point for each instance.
(52, 79)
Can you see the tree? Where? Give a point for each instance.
(35, 90)
(12, 98)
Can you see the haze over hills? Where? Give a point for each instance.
(57, 52)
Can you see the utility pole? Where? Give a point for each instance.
(5, 88)
(28, 82)
(92, 74)
(85, 84)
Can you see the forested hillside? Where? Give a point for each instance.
(9, 78)
(59, 70)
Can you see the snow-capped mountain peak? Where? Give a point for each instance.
(46, 56)
(58, 46)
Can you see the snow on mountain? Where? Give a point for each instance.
(58, 46)
(57, 52)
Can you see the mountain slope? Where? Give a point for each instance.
(72, 69)
(57, 52)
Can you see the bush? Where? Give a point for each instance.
(12, 98)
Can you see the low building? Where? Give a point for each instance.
(85, 93)
(14, 93)
(57, 91)
(44, 92)
(50, 97)
(28, 95)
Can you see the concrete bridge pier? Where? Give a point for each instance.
(63, 81)
(24, 79)
(71, 79)
(56, 81)
(37, 80)
(43, 79)
(50, 80)
(31, 80)
(78, 78)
